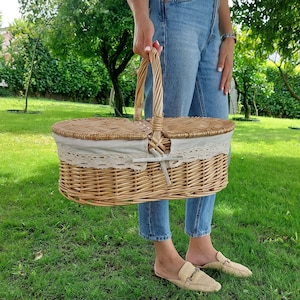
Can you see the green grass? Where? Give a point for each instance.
(96, 253)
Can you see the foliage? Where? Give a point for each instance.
(14, 70)
(280, 104)
(73, 78)
(128, 81)
(249, 74)
(277, 25)
(82, 80)
(3, 75)
(92, 29)
(259, 84)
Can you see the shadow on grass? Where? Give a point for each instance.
(28, 121)
(270, 136)
(89, 251)
(20, 111)
(82, 246)
(243, 119)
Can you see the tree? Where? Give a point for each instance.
(93, 29)
(72, 77)
(24, 46)
(277, 24)
(249, 73)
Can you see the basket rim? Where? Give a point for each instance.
(124, 129)
(99, 129)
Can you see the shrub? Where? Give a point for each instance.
(281, 104)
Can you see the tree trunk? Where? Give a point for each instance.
(248, 111)
(114, 70)
(118, 105)
(30, 76)
(238, 94)
(286, 83)
(246, 102)
(254, 103)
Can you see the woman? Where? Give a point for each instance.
(197, 69)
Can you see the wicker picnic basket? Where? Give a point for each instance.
(114, 161)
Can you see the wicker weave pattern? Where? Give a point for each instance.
(111, 187)
(114, 186)
(99, 129)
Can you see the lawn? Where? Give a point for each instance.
(52, 248)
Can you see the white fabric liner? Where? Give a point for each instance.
(121, 154)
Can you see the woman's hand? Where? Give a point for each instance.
(225, 64)
(143, 35)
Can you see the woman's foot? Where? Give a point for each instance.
(227, 266)
(202, 254)
(192, 278)
(171, 266)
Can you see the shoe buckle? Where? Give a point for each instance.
(195, 271)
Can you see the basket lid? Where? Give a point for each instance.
(188, 127)
(99, 129)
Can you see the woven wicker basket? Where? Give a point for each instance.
(113, 161)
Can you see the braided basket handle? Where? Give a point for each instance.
(157, 120)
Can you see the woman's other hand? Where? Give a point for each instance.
(225, 64)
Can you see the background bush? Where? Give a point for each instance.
(280, 104)
(74, 78)
(86, 80)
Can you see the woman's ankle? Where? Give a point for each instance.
(167, 261)
(201, 251)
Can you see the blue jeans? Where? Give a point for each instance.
(189, 33)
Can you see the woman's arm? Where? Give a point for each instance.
(143, 28)
(225, 24)
(225, 63)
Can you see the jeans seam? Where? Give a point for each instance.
(197, 219)
(162, 11)
(213, 20)
(195, 232)
(200, 99)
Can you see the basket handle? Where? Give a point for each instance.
(157, 120)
